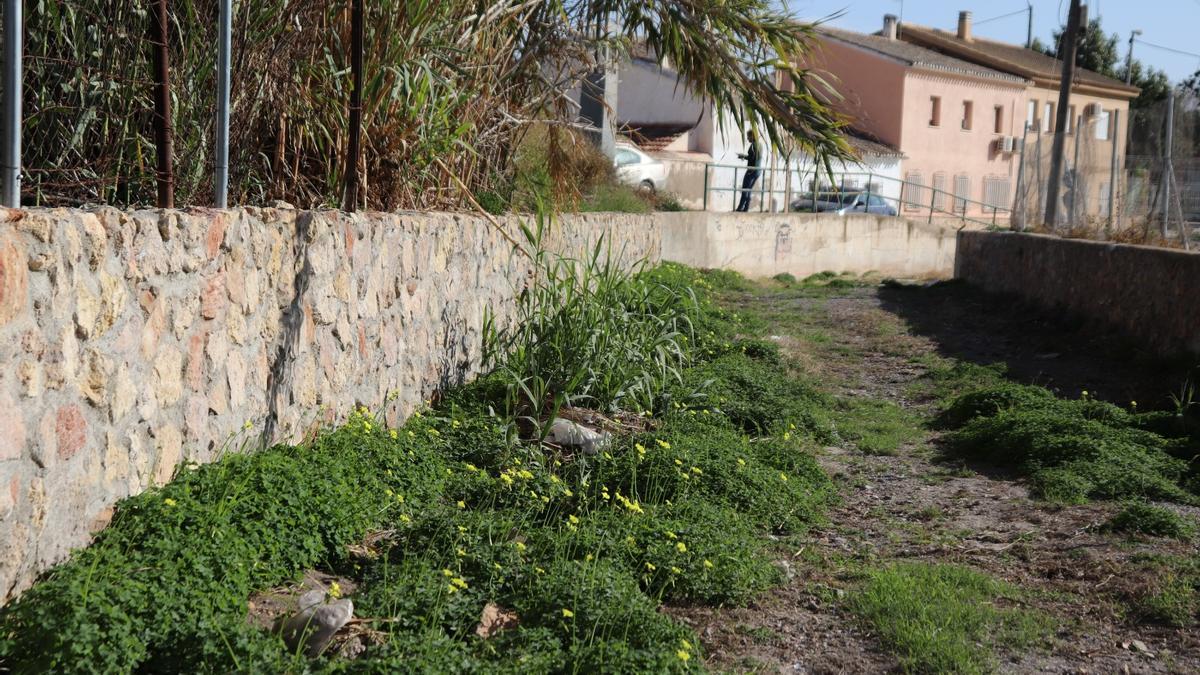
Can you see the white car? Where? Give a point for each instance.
(639, 169)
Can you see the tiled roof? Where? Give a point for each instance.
(867, 145)
(915, 55)
(1007, 57)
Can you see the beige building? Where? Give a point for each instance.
(949, 117)
(1097, 117)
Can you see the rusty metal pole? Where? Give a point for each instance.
(163, 141)
(350, 198)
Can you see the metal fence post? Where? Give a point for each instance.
(13, 56)
(867, 206)
(1113, 180)
(350, 198)
(707, 167)
(164, 144)
(224, 46)
(932, 201)
(1075, 170)
(1015, 223)
(1168, 171)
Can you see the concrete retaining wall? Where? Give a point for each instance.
(1150, 294)
(132, 342)
(763, 245)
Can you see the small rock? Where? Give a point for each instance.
(495, 619)
(572, 435)
(316, 622)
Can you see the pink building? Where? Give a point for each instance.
(953, 120)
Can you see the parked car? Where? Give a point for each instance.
(638, 169)
(843, 203)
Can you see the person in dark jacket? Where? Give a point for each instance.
(752, 170)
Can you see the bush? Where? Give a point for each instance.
(1071, 450)
(1142, 518)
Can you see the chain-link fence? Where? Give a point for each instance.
(1135, 193)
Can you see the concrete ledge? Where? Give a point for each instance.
(800, 244)
(1149, 294)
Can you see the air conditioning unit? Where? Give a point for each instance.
(1008, 144)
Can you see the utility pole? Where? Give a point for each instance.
(1129, 57)
(1029, 29)
(224, 47)
(1070, 45)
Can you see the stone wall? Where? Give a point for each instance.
(800, 244)
(132, 342)
(1149, 294)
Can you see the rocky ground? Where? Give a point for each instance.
(874, 342)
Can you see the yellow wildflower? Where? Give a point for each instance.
(405, 519)
(367, 426)
(567, 614)
(588, 558)
(388, 492)
(574, 519)
(678, 462)
(663, 444)
(568, 493)
(472, 468)
(539, 570)
(520, 547)
(686, 645)
(433, 432)
(650, 566)
(169, 502)
(452, 588)
(787, 435)
(681, 547)
(447, 573)
(783, 477)
(462, 504)
(461, 552)
(696, 470)
(741, 462)
(247, 425)
(708, 564)
(393, 434)
(676, 570)
(460, 582)
(671, 535)
(641, 449)
(524, 473)
(335, 590)
(456, 424)
(411, 434)
(462, 529)
(506, 478)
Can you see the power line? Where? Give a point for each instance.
(1005, 16)
(1167, 49)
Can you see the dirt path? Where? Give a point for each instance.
(873, 342)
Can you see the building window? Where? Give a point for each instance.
(935, 111)
(962, 188)
(998, 119)
(1048, 118)
(996, 192)
(1102, 122)
(968, 113)
(914, 191)
(1031, 115)
(1070, 120)
(939, 191)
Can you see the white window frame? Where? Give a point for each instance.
(1103, 120)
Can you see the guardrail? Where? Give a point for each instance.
(839, 187)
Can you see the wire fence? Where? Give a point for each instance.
(1148, 196)
(445, 89)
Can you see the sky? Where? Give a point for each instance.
(1166, 23)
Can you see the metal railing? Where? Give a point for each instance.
(837, 184)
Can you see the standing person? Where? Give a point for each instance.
(752, 170)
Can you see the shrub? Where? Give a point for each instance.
(1071, 449)
(1142, 518)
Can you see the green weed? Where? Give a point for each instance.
(944, 618)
